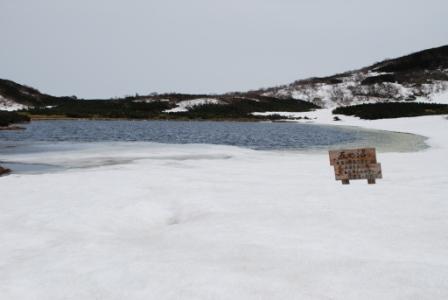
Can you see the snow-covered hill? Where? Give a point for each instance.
(350, 91)
(14, 96)
(421, 76)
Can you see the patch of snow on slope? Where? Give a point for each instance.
(9, 105)
(150, 100)
(184, 106)
(351, 91)
(441, 97)
(436, 93)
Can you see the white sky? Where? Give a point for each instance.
(106, 48)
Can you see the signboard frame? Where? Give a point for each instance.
(355, 164)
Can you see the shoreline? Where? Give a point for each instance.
(12, 127)
(384, 140)
(316, 117)
(175, 119)
(407, 125)
(323, 117)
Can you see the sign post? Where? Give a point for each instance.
(354, 164)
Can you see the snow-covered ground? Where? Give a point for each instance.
(218, 222)
(183, 106)
(438, 97)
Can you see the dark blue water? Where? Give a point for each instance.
(53, 146)
(260, 136)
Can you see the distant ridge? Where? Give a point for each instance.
(420, 76)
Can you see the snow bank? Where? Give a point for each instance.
(183, 106)
(214, 222)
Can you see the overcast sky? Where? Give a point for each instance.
(106, 48)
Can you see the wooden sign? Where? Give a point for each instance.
(352, 164)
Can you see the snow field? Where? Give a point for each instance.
(216, 222)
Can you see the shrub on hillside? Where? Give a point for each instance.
(388, 110)
(8, 118)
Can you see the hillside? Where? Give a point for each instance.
(165, 106)
(421, 76)
(418, 77)
(14, 96)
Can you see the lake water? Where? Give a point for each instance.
(78, 144)
(259, 136)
